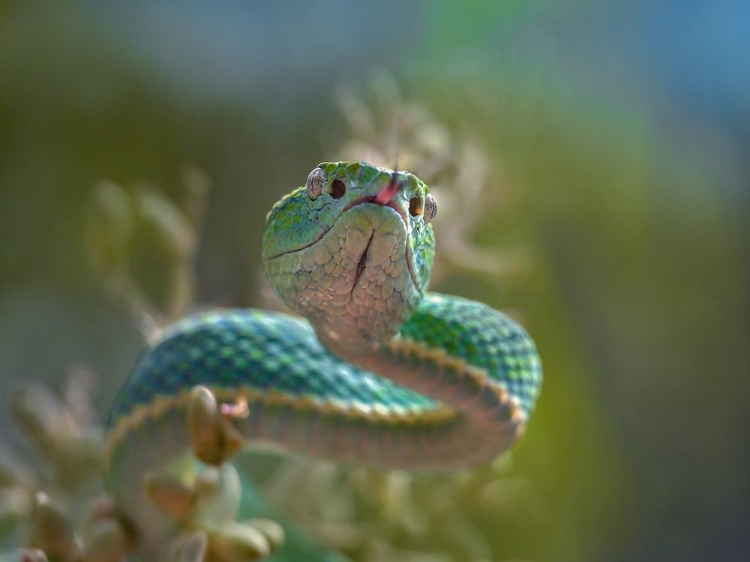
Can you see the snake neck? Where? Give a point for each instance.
(347, 343)
(432, 372)
(490, 419)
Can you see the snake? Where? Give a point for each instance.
(367, 368)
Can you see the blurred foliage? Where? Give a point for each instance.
(608, 219)
(142, 245)
(52, 488)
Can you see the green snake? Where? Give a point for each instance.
(372, 369)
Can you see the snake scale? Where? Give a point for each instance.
(374, 370)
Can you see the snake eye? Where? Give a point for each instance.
(314, 184)
(337, 189)
(430, 208)
(416, 206)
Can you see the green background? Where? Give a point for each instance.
(620, 127)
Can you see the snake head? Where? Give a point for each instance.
(352, 250)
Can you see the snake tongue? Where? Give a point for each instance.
(385, 195)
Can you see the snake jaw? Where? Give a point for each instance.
(356, 203)
(412, 272)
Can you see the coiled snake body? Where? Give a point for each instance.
(375, 371)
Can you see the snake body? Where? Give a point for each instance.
(374, 371)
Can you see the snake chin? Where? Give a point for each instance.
(362, 263)
(408, 255)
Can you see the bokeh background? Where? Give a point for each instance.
(611, 141)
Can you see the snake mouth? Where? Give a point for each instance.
(393, 205)
(350, 206)
(372, 200)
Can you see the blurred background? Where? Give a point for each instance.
(590, 161)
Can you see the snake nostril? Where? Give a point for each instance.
(337, 189)
(416, 206)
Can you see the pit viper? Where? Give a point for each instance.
(370, 369)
